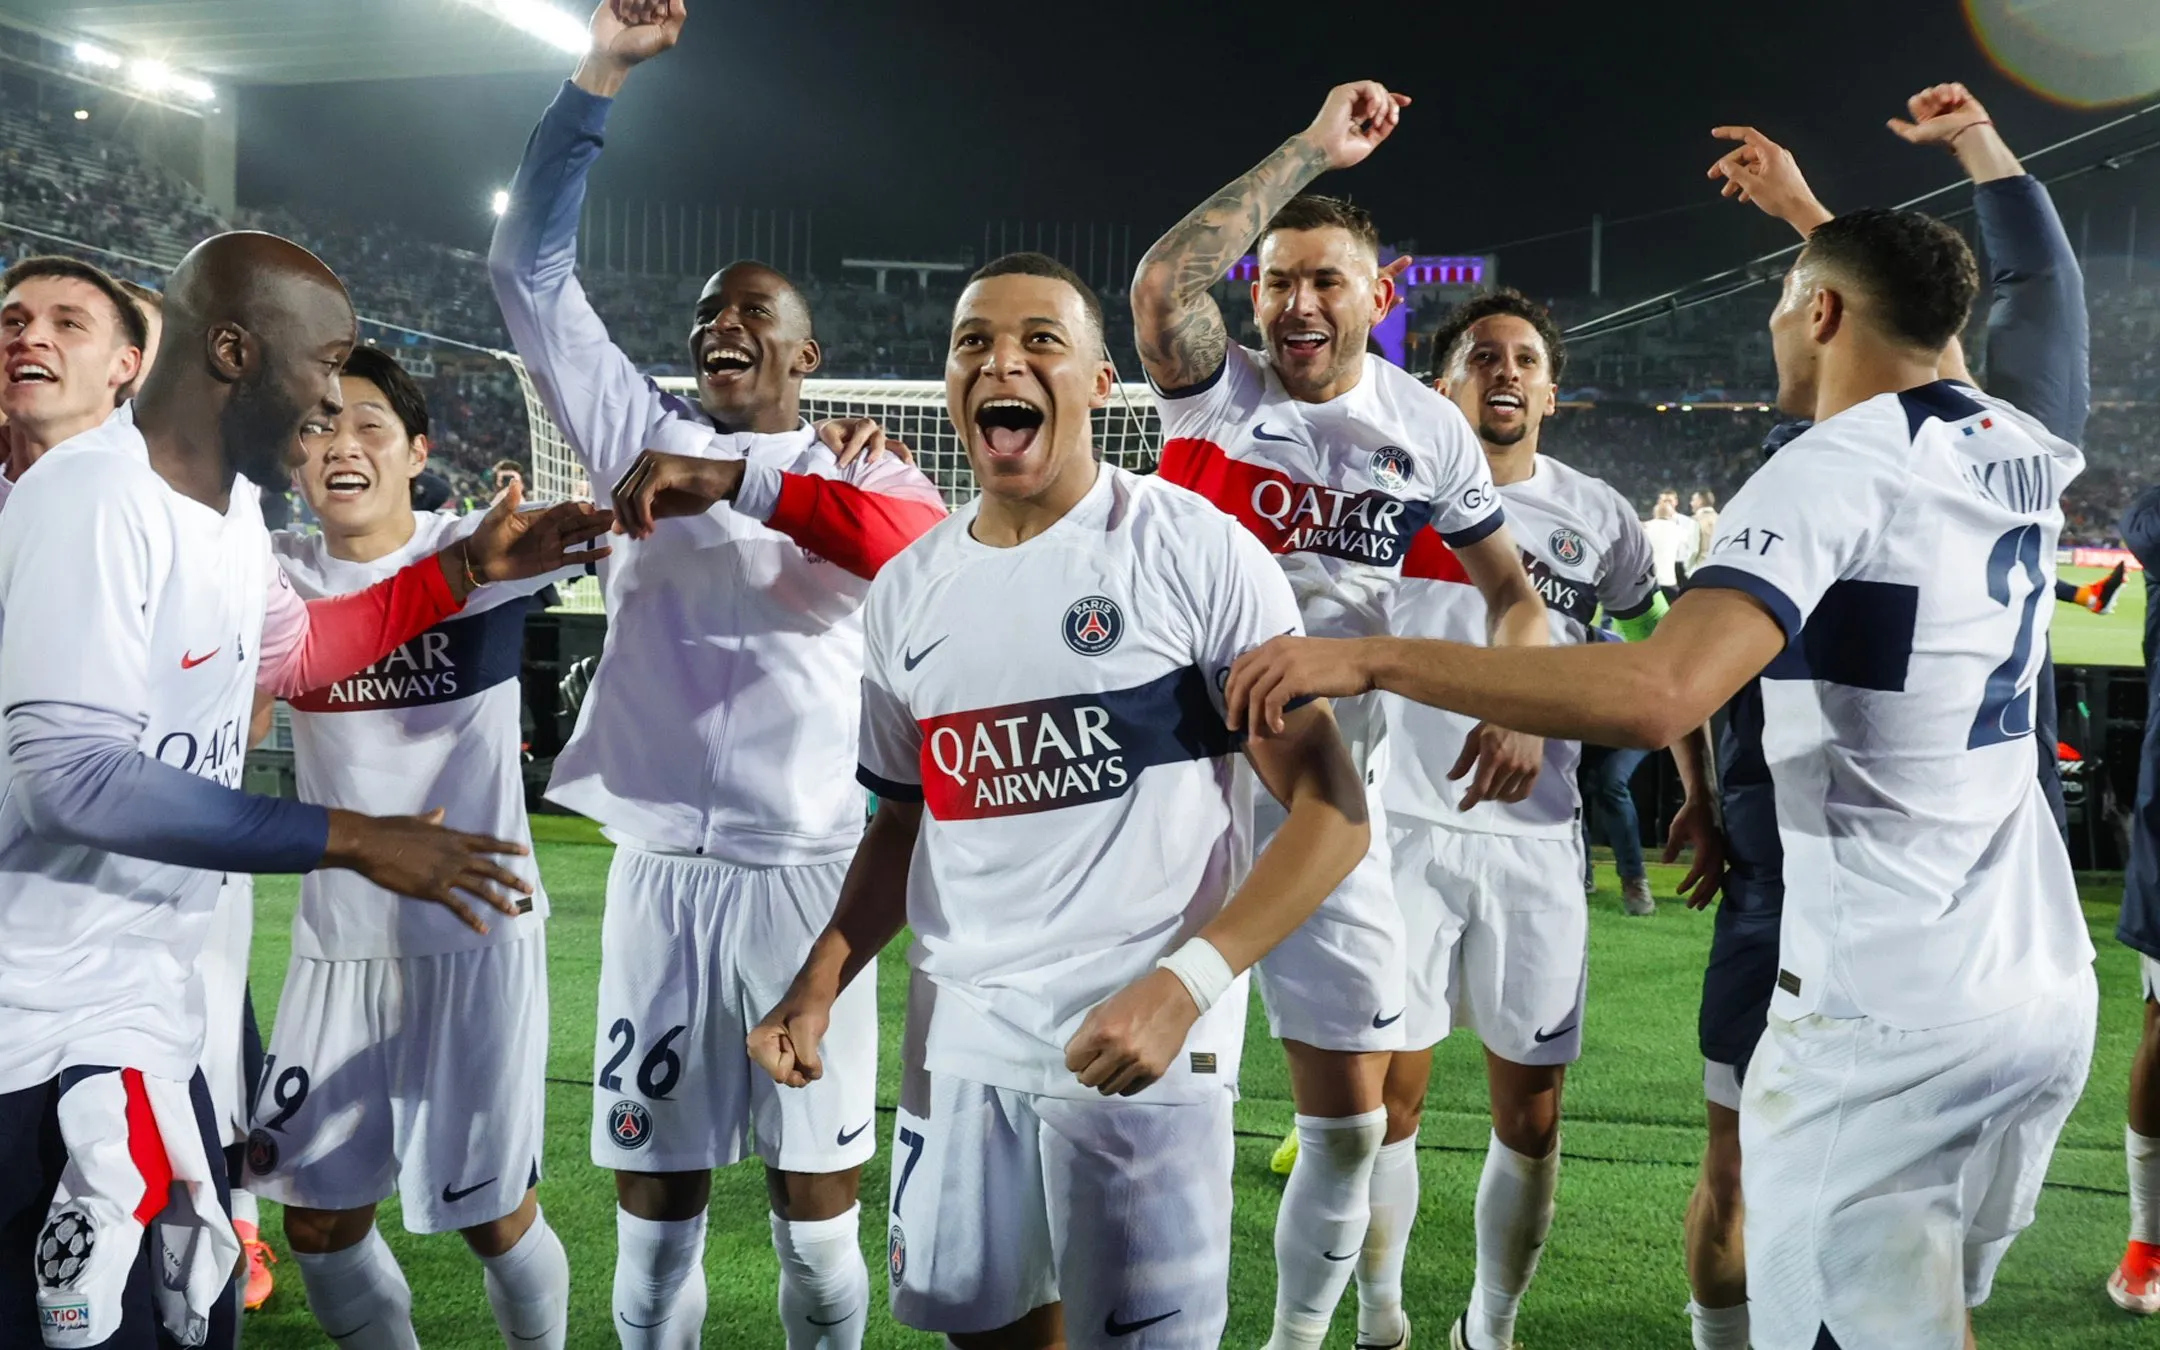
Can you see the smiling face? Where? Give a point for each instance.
(1025, 368)
(751, 345)
(359, 466)
(65, 355)
(1500, 375)
(1318, 297)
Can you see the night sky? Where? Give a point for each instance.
(904, 127)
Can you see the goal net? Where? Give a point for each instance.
(1127, 431)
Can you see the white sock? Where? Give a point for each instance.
(529, 1288)
(824, 1285)
(359, 1296)
(2144, 1155)
(1514, 1212)
(244, 1208)
(1387, 1242)
(1324, 1212)
(1719, 1328)
(659, 1282)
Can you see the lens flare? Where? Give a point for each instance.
(2084, 53)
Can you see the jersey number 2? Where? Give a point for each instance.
(2006, 705)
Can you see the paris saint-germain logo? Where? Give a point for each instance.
(1094, 625)
(1567, 546)
(629, 1125)
(896, 1254)
(1391, 467)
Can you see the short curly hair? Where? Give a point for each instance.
(1918, 273)
(1454, 330)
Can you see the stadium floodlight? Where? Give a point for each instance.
(560, 30)
(198, 90)
(82, 114)
(90, 54)
(500, 202)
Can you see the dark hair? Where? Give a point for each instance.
(381, 369)
(142, 295)
(1709, 497)
(131, 318)
(1311, 211)
(1500, 300)
(512, 465)
(1043, 265)
(1917, 271)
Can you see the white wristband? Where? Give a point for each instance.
(1202, 970)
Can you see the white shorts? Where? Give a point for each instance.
(224, 970)
(1887, 1171)
(1721, 1084)
(426, 1074)
(1336, 983)
(1003, 1201)
(1498, 938)
(2149, 971)
(693, 954)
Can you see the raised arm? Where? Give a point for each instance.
(606, 407)
(2039, 337)
(1176, 323)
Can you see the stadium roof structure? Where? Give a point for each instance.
(312, 42)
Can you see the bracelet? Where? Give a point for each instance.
(472, 582)
(1202, 970)
(1983, 122)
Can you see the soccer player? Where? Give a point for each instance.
(410, 1052)
(133, 575)
(1062, 820)
(736, 626)
(2037, 345)
(2135, 1283)
(1337, 461)
(1491, 893)
(1885, 575)
(72, 344)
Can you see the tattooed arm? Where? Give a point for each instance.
(1179, 330)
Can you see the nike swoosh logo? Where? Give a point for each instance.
(1541, 1035)
(835, 1322)
(850, 1136)
(1378, 1021)
(1344, 1257)
(188, 660)
(1260, 433)
(914, 659)
(1112, 1327)
(451, 1196)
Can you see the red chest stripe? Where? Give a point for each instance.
(1290, 516)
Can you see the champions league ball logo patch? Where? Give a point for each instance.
(1391, 467)
(63, 1249)
(1567, 546)
(629, 1125)
(896, 1254)
(1094, 625)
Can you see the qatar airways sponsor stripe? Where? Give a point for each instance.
(1051, 753)
(455, 659)
(1430, 559)
(1290, 516)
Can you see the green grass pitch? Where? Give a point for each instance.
(1611, 1276)
(2083, 638)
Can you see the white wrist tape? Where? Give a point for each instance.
(1202, 970)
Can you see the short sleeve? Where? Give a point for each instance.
(1465, 505)
(76, 592)
(1249, 602)
(1629, 581)
(1202, 409)
(1799, 526)
(890, 752)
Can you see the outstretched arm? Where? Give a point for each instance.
(1176, 323)
(1765, 175)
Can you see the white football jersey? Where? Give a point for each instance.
(1336, 491)
(119, 594)
(1057, 709)
(434, 723)
(1907, 548)
(1583, 548)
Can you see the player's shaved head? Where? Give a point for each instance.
(256, 331)
(753, 343)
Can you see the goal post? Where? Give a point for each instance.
(1127, 431)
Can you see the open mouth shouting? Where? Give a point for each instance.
(1007, 427)
(725, 361)
(344, 485)
(1505, 402)
(25, 370)
(1304, 343)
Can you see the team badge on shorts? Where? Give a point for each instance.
(896, 1254)
(1567, 546)
(64, 1247)
(1391, 467)
(1094, 625)
(629, 1125)
(262, 1152)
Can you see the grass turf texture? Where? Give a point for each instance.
(2083, 638)
(1612, 1274)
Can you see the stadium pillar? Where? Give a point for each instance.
(1597, 255)
(221, 156)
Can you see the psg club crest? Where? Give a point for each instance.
(629, 1125)
(262, 1152)
(64, 1248)
(1094, 625)
(1567, 546)
(896, 1254)
(1391, 467)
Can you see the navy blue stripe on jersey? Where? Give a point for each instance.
(1466, 537)
(1860, 636)
(1944, 400)
(886, 788)
(1192, 390)
(1048, 753)
(1779, 604)
(1564, 595)
(457, 658)
(1746, 792)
